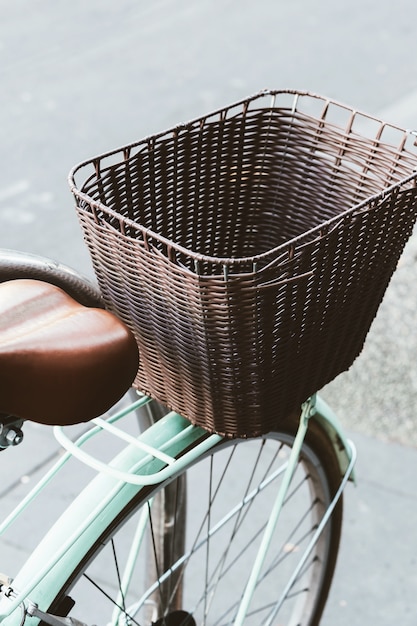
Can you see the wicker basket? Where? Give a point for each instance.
(249, 250)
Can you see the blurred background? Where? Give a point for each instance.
(79, 78)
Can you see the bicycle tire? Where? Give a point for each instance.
(217, 604)
(16, 265)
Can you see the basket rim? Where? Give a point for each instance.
(148, 233)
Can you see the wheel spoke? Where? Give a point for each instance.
(111, 599)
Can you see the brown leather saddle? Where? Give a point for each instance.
(60, 362)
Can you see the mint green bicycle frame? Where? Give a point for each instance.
(148, 459)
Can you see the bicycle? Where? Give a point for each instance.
(227, 505)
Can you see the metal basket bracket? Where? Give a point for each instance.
(154, 456)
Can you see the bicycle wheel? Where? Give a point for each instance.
(230, 493)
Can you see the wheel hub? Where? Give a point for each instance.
(176, 618)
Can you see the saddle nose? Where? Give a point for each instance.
(61, 363)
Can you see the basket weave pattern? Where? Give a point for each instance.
(249, 251)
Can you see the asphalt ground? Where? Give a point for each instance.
(78, 79)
